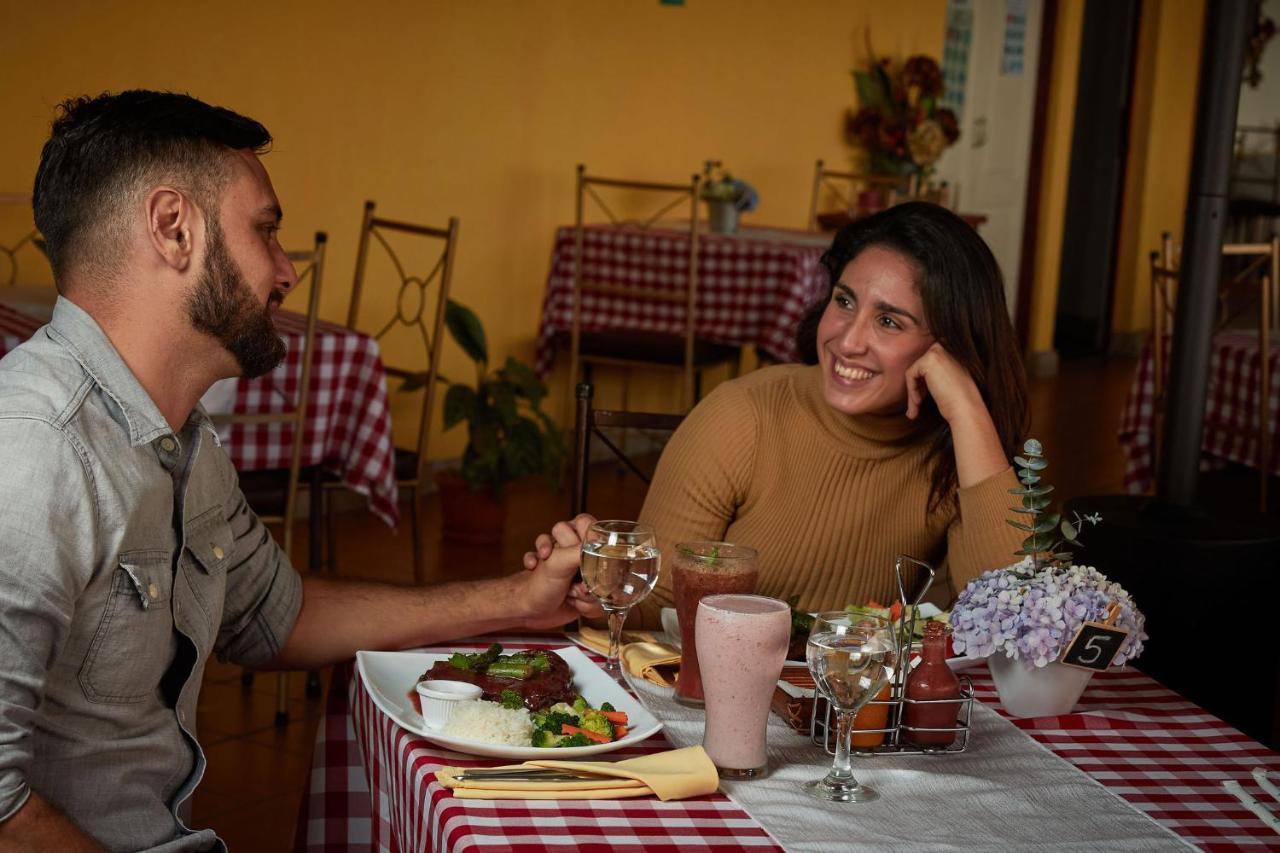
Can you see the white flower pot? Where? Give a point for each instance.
(1029, 691)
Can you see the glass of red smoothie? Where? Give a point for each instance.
(701, 569)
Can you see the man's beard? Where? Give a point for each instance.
(224, 306)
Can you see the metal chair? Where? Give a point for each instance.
(273, 494)
(589, 422)
(10, 248)
(423, 319)
(1261, 272)
(686, 353)
(847, 185)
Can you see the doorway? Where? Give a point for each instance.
(1095, 187)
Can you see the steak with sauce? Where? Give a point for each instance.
(540, 690)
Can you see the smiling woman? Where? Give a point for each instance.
(895, 439)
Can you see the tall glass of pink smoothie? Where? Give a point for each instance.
(700, 569)
(742, 643)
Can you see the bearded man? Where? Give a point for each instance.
(127, 552)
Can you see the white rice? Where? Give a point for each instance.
(489, 722)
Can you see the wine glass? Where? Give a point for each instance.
(620, 567)
(852, 657)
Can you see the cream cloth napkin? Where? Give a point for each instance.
(641, 654)
(1006, 792)
(671, 775)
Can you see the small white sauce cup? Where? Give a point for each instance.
(439, 698)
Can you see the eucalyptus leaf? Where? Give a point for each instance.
(1034, 463)
(1020, 526)
(1047, 523)
(1070, 531)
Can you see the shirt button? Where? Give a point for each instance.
(153, 591)
(217, 553)
(167, 444)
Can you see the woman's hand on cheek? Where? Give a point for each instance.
(941, 377)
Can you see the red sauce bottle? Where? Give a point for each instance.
(932, 679)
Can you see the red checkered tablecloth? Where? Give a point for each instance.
(1231, 409)
(1145, 743)
(753, 286)
(348, 424)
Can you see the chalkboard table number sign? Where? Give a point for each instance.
(1096, 643)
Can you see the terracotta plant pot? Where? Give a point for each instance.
(1027, 691)
(475, 518)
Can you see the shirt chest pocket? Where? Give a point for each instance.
(209, 550)
(134, 642)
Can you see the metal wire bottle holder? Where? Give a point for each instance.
(896, 736)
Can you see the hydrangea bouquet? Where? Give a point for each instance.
(1031, 610)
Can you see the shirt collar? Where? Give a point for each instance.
(75, 329)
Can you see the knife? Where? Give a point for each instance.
(535, 774)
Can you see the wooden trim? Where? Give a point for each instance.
(1035, 177)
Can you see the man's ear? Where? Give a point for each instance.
(171, 223)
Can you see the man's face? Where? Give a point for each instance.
(245, 275)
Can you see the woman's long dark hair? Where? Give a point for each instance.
(963, 294)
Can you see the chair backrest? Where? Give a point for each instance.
(1256, 163)
(589, 422)
(847, 185)
(310, 265)
(657, 200)
(1261, 270)
(424, 317)
(13, 241)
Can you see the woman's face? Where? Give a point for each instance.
(872, 330)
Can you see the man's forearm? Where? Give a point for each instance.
(38, 826)
(339, 618)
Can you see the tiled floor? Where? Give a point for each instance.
(257, 771)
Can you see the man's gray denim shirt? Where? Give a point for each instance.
(127, 556)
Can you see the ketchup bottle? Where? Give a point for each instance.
(932, 679)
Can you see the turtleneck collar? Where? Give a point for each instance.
(866, 435)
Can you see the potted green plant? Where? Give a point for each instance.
(508, 435)
(726, 197)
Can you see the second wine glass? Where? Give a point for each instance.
(620, 562)
(852, 657)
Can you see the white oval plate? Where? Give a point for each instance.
(389, 676)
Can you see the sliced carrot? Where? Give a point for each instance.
(618, 718)
(895, 611)
(567, 729)
(619, 732)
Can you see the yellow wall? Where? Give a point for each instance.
(1056, 166)
(474, 109)
(1160, 141)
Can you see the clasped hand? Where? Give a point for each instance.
(556, 556)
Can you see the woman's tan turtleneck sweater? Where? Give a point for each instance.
(825, 497)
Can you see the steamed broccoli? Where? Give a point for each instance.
(511, 699)
(607, 706)
(580, 706)
(594, 721)
(547, 739)
(578, 739)
(553, 720)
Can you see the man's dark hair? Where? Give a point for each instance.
(962, 291)
(105, 152)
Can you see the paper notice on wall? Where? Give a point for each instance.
(1013, 52)
(955, 54)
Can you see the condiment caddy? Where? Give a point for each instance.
(904, 731)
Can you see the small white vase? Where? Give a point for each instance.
(1030, 691)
